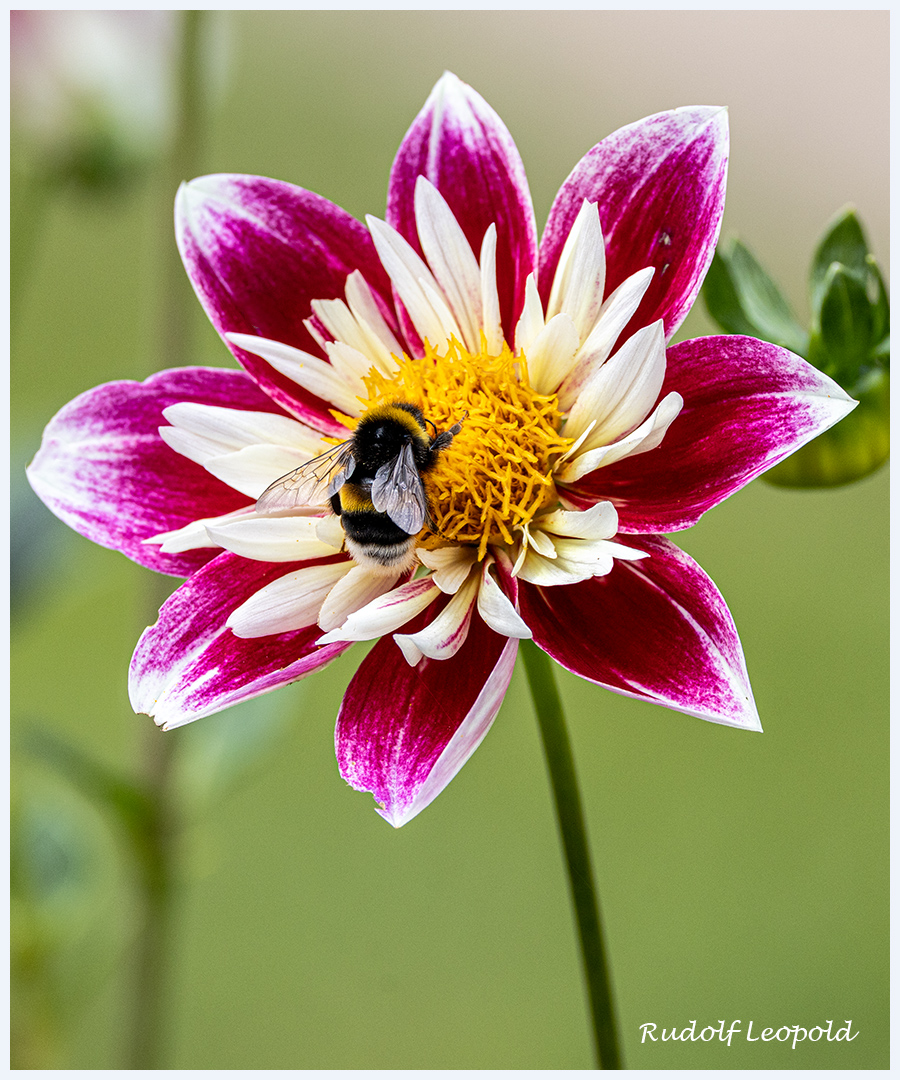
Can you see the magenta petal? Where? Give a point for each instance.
(462, 146)
(189, 664)
(660, 189)
(657, 629)
(404, 732)
(258, 252)
(103, 469)
(747, 405)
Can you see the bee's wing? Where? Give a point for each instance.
(310, 485)
(398, 491)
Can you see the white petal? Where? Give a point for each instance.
(451, 259)
(490, 298)
(252, 469)
(351, 593)
(599, 521)
(581, 273)
(273, 539)
(349, 363)
(407, 272)
(495, 607)
(597, 555)
(290, 603)
(306, 370)
(217, 430)
(646, 436)
(193, 536)
(386, 613)
(540, 571)
(446, 635)
(620, 395)
(531, 321)
(615, 314)
(372, 322)
(552, 354)
(451, 565)
(330, 531)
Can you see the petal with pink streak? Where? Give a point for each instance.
(461, 145)
(657, 629)
(404, 732)
(189, 664)
(747, 405)
(104, 470)
(258, 252)
(659, 185)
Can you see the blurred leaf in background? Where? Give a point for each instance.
(848, 339)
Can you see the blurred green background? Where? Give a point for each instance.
(743, 876)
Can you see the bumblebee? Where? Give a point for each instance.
(373, 481)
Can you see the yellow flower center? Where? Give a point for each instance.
(496, 474)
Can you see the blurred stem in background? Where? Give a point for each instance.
(156, 852)
(570, 819)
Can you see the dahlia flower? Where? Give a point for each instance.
(582, 437)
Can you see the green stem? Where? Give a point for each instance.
(154, 847)
(570, 818)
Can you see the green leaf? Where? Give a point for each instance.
(881, 309)
(762, 302)
(844, 337)
(721, 299)
(843, 243)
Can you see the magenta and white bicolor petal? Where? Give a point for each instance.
(258, 252)
(190, 664)
(404, 732)
(659, 186)
(747, 405)
(659, 630)
(104, 470)
(463, 147)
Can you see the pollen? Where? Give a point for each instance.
(497, 473)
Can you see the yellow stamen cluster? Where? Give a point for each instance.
(496, 474)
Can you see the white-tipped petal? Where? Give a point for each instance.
(451, 565)
(490, 298)
(620, 395)
(495, 607)
(551, 354)
(446, 635)
(615, 314)
(306, 370)
(273, 539)
(646, 436)
(290, 603)
(385, 613)
(581, 273)
(352, 592)
(450, 258)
